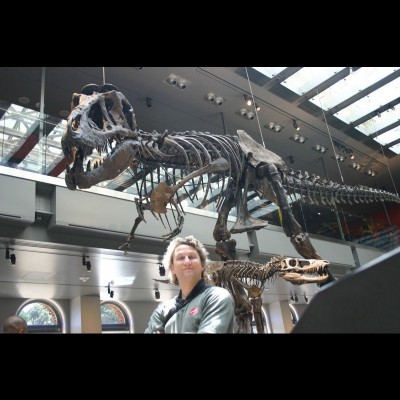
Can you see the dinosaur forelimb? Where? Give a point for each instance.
(303, 246)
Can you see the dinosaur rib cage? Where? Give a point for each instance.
(186, 152)
(251, 275)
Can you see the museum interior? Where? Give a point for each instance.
(334, 130)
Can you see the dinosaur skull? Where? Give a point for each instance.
(101, 116)
(299, 271)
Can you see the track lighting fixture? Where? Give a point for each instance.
(108, 288)
(291, 296)
(157, 294)
(161, 269)
(149, 102)
(13, 259)
(86, 263)
(112, 293)
(305, 298)
(295, 125)
(248, 100)
(7, 254)
(296, 299)
(243, 112)
(291, 159)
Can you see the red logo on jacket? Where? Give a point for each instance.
(194, 311)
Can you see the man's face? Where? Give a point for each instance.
(186, 264)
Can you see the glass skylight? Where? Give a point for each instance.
(351, 85)
(370, 103)
(269, 71)
(308, 78)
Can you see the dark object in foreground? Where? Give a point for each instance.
(365, 301)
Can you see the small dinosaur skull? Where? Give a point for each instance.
(299, 270)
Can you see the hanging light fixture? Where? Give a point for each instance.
(248, 100)
(157, 294)
(161, 269)
(13, 259)
(295, 125)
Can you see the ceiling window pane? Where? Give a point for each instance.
(395, 148)
(389, 136)
(269, 71)
(377, 123)
(370, 103)
(351, 85)
(308, 78)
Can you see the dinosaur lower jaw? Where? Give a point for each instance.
(300, 279)
(110, 168)
(83, 180)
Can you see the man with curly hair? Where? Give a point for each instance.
(198, 308)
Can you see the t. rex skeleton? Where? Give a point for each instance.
(103, 119)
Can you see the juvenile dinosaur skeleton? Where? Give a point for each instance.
(246, 281)
(103, 119)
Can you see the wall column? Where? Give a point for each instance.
(85, 314)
